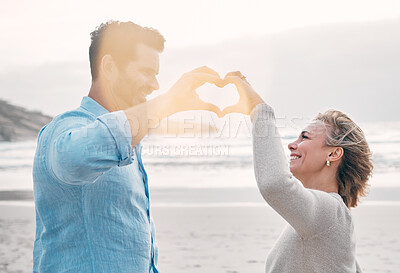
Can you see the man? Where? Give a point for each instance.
(90, 187)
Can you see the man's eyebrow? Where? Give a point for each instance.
(304, 131)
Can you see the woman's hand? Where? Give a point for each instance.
(248, 98)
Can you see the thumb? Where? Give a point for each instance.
(210, 107)
(231, 109)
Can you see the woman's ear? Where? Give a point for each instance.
(336, 154)
(107, 67)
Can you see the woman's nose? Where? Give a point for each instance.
(292, 146)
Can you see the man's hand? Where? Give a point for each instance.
(183, 96)
(248, 98)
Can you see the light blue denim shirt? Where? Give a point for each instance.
(91, 196)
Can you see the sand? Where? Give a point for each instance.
(217, 237)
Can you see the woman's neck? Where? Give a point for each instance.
(323, 181)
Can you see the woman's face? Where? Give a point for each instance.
(309, 152)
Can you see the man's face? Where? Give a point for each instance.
(138, 78)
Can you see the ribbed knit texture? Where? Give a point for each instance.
(319, 236)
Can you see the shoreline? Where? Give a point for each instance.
(216, 239)
(208, 205)
(205, 195)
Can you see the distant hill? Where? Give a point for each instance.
(17, 123)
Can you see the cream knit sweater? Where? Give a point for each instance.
(319, 236)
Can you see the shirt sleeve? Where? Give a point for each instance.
(307, 211)
(80, 150)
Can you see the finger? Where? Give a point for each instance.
(202, 78)
(238, 74)
(236, 80)
(233, 73)
(206, 69)
(232, 109)
(221, 83)
(210, 107)
(231, 79)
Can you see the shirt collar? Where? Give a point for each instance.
(93, 106)
(96, 109)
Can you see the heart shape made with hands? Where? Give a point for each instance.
(222, 97)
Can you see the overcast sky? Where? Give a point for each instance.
(44, 48)
(40, 31)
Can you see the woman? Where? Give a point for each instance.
(330, 163)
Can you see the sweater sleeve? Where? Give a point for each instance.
(358, 268)
(308, 211)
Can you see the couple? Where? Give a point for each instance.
(91, 190)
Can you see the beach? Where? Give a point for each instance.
(209, 215)
(201, 230)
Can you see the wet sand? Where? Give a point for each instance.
(218, 237)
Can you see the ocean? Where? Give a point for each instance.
(216, 165)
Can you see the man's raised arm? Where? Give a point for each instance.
(181, 97)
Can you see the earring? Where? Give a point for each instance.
(328, 163)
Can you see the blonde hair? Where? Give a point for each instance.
(356, 166)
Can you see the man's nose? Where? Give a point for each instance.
(154, 84)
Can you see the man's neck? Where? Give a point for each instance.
(101, 95)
